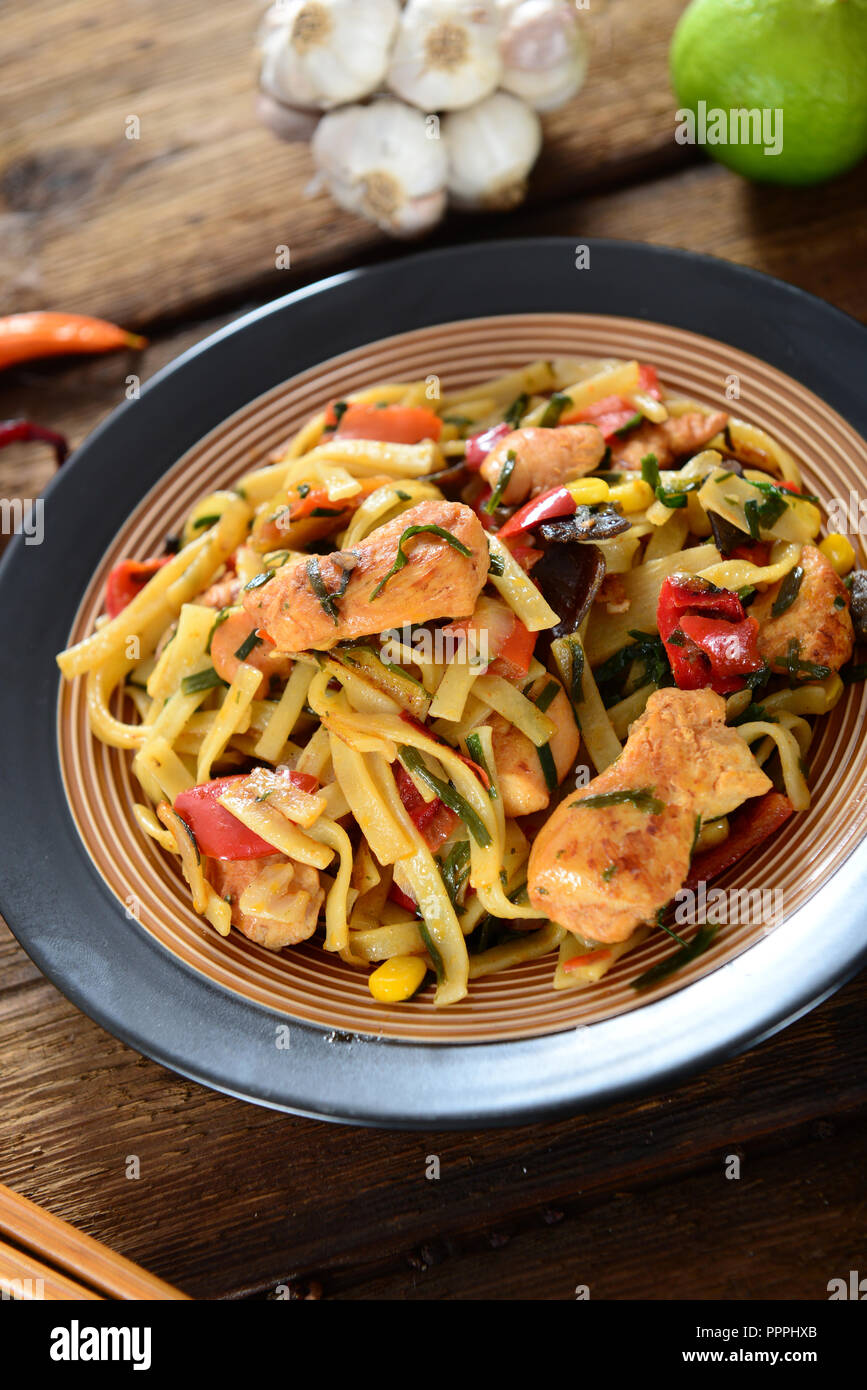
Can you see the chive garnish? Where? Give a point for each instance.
(402, 559)
(259, 579)
(432, 950)
(218, 622)
(327, 599)
(700, 942)
(641, 798)
(630, 424)
(455, 869)
(202, 521)
(516, 410)
(250, 641)
(327, 511)
(788, 591)
(554, 409)
(476, 752)
(201, 680)
(413, 762)
(506, 472)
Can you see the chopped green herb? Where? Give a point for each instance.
(218, 622)
(554, 409)
(250, 641)
(402, 558)
(259, 579)
(201, 680)
(414, 762)
(506, 472)
(650, 470)
(788, 591)
(641, 798)
(202, 521)
(455, 870)
(432, 950)
(630, 424)
(327, 600)
(327, 511)
(404, 496)
(303, 489)
(476, 752)
(839, 601)
(695, 834)
(516, 410)
(699, 944)
(609, 873)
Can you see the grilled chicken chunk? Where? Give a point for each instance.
(318, 601)
(286, 909)
(601, 869)
(674, 439)
(543, 459)
(519, 771)
(234, 635)
(818, 622)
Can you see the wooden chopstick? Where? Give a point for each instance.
(69, 1249)
(23, 1277)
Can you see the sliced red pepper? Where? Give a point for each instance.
(648, 382)
(480, 445)
(591, 958)
(708, 637)
(756, 552)
(128, 579)
(526, 555)
(557, 501)
(402, 899)
(750, 826)
(789, 487)
(390, 424)
(218, 833)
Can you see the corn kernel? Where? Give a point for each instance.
(397, 979)
(586, 491)
(634, 496)
(840, 551)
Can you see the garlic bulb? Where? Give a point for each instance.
(381, 161)
(491, 149)
(543, 51)
(446, 53)
(286, 122)
(320, 53)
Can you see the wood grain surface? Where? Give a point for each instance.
(176, 232)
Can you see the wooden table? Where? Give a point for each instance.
(174, 233)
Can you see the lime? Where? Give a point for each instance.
(795, 70)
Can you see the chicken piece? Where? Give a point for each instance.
(230, 637)
(601, 870)
(223, 594)
(543, 459)
(818, 621)
(519, 771)
(677, 437)
(281, 910)
(437, 582)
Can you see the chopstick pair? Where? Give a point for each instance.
(52, 1260)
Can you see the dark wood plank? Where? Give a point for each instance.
(285, 1198)
(136, 230)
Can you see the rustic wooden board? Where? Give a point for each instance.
(138, 230)
(633, 1201)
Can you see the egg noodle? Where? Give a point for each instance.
(375, 768)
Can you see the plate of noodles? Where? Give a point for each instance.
(444, 691)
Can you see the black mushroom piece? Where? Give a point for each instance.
(583, 525)
(726, 537)
(569, 577)
(858, 590)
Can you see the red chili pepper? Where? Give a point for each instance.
(526, 555)
(708, 637)
(128, 579)
(402, 899)
(391, 424)
(751, 825)
(480, 445)
(648, 382)
(558, 501)
(47, 334)
(25, 432)
(218, 833)
(789, 487)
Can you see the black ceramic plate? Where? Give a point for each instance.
(74, 928)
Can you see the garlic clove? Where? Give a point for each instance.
(544, 52)
(322, 53)
(491, 149)
(381, 161)
(446, 55)
(286, 122)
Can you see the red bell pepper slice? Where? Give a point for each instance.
(751, 825)
(708, 637)
(557, 501)
(218, 833)
(391, 424)
(480, 445)
(128, 579)
(591, 958)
